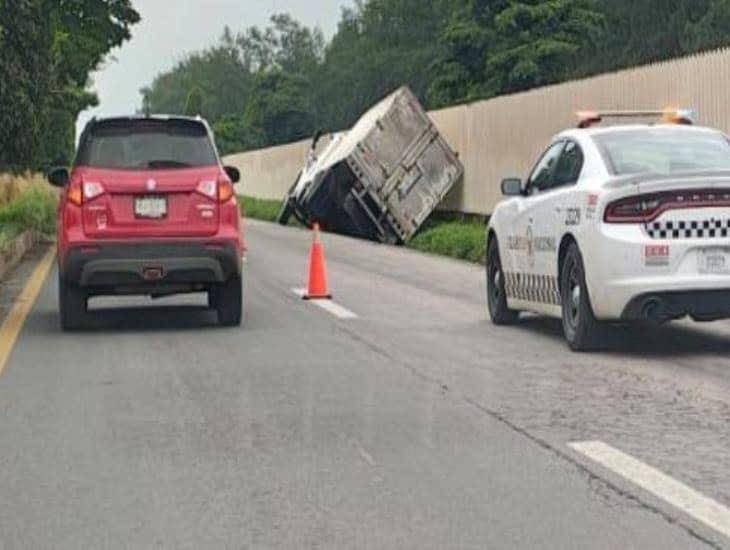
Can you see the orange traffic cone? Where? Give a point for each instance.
(317, 285)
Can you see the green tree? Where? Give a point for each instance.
(271, 85)
(379, 46)
(497, 47)
(25, 64)
(218, 72)
(465, 41)
(194, 103)
(233, 134)
(280, 108)
(537, 43)
(48, 49)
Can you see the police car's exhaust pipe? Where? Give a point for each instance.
(654, 310)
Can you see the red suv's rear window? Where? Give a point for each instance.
(146, 144)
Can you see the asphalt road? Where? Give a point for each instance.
(416, 424)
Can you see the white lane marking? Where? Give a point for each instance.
(328, 305)
(702, 508)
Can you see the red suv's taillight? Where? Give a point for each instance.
(92, 190)
(75, 193)
(78, 192)
(225, 190)
(221, 190)
(646, 208)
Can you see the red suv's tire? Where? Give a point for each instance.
(227, 299)
(72, 302)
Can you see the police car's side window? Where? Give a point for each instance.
(569, 165)
(542, 175)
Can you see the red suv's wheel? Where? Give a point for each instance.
(227, 299)
(72, 305)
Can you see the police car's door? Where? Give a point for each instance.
(527, 242)
(556, 212)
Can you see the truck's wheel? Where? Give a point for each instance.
(285, 212)
(579, 323)
(228, 301)
(72, 305)
(496, 294)
(286, 208)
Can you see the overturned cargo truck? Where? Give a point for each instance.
(381, 179)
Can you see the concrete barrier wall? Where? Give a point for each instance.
(503, 136)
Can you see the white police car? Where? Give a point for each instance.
(616, 223)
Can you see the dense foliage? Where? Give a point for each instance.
(269, 86)
(48, 48)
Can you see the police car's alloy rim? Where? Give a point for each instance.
(573, 296)
(497, 278)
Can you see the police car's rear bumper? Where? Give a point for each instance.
(632, 276)
(701, 305)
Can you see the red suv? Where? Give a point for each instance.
(148, 209)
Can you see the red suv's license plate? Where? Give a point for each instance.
(150, 206)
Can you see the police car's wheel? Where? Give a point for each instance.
(496, 295)
(579, 324)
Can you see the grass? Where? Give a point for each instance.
(26, 203)
(459, 238)
(259, 209)
(453, 235)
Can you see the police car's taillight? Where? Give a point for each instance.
(646, 208)
(640, 209)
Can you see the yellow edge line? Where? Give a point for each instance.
(13, 323)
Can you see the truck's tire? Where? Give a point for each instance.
(285, 212)
(496, 294)
(580, 326)
(227, 299)
(287, 209)
(72, 302)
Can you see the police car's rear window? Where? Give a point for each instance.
(664, 150)
(146, 144)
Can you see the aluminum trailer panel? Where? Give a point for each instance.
(382, 179)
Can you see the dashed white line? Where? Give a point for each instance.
(702, 508)
(328, 305)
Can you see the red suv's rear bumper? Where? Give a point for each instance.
(152, 266)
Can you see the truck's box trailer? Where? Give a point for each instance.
(381, 179)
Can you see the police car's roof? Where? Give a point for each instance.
(600, 130)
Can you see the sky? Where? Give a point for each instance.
(169, 29)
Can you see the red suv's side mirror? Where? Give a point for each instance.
(233, 173)
(58, 177)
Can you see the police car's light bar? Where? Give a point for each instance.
(670, 116)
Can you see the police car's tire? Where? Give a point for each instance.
(579, 324)
(496, 294)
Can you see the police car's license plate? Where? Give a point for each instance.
(714, 260)
(150, 207)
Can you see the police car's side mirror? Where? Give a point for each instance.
(512, 187)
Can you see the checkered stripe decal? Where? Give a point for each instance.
(689, 229)
(532, 288)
